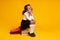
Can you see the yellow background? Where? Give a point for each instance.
(46, 14)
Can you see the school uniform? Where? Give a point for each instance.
(26, 21)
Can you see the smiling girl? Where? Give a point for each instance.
(28, 20)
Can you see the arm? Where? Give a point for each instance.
(32, 17)
(27, 16)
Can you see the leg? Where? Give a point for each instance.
(32, 25)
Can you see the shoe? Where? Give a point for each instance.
(15, 31)
(20, 32)
(31, 34)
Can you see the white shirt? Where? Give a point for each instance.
(26, 16)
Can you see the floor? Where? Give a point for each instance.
(45, 12)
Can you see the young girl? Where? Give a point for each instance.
(28, 20)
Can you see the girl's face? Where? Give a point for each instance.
(29, 9)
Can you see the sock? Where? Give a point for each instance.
(31, 28)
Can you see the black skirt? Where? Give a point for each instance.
(25, 24)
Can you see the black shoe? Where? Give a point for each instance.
(32, 34)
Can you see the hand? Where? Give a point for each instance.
(30, 13)
(32, 22)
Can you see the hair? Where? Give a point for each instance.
(25, 8)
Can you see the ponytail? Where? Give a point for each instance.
(23, 12)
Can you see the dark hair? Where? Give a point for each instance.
(25, 8)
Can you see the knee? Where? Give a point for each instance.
(32, 22)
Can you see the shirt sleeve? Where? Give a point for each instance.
(27, 16)
(32, 17)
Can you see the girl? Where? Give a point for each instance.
(28, 20)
